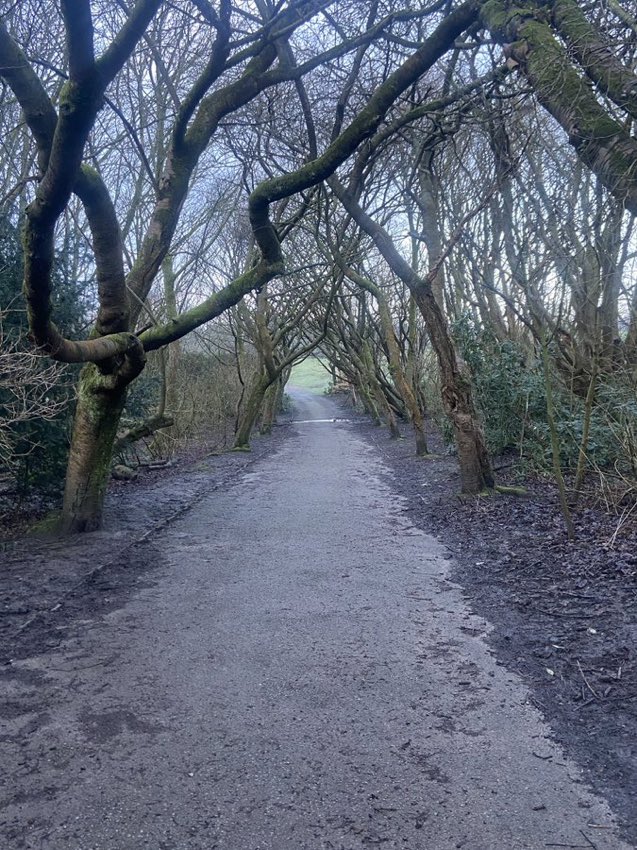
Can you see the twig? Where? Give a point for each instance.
(623, 519)
(586, 682)
(584, 704)
(594, 846)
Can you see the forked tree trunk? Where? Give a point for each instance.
(391, 420)
(99, 408)
(369, 405)
(376, 391)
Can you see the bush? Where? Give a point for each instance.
(510, 393)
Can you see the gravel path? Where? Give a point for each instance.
(300, 674)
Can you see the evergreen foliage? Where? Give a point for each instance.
(511, 394)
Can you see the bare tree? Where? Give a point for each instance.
(29, 392)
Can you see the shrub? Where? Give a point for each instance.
(510, 393)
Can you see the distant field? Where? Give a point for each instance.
(310, 375)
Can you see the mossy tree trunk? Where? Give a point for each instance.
(406, 392)
(376, 391)
(601, 141)
(99, 407)
(457, 397)
(271, 406)
(369, 405)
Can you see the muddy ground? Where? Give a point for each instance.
(564, 614)
(46, 585)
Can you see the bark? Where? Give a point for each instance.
(169, 403)
(595, 55)
(376, 391)
(601, 142)
(367, 400)
(354, 365)
(429, 190)
(396, 367)
(271, 407)
(457, 398)
(98, 412)
(630, 345)
(555, 442)
(405, 389)
(629, 20)
(251, 408)
(582, 457)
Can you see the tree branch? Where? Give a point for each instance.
(363, 126)
(78, 23)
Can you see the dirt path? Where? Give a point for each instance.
(291, 669)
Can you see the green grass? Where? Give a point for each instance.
(310, 375)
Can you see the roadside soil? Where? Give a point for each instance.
(19, 512)
(564, 613)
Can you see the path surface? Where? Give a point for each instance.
(301, 675)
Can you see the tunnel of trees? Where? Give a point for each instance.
(436, 199)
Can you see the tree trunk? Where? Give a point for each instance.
(412, 376)
(601, 141)
(369, 405)
(99, 408)
(630, 345)
(381, 402)
(166, 440)
(250, 412)
(400, 378)
(280, 389)
(390, 415)
(270, 408)
(476, 473)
